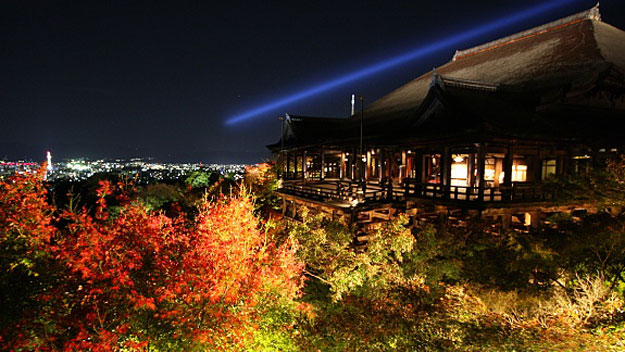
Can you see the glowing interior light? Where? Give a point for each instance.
(519, 173)
(401, 59)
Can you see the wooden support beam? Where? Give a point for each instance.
(472, 170)
(481, 167)
(296, 165)
(507, 169)
(536, 219)
(383, 163)
(304, 168)
(418, 165)
(446, 171)
(537, 167)
(323, 163)
(402, 167)
(507, 166)
(506, 221)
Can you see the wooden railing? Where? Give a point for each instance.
(339, 190)
(373, 191)
(516, 193)
(290, 175)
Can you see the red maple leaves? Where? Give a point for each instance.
(25, 220)
(130, 277)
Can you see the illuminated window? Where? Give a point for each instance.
(459, 170)
(548, 168)
(519, 173)
(489, 169)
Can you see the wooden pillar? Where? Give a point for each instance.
(293, 209)
(536, 218)
(561, 164)
(388, 164)
(538, 166)
(418, 165)
(381, 166)
(349, 162)
(342, 166)
(568, 164)
(425, 169)
(507, 166)
(506, 221)
(288, 164)
(296, 166)
(471, 169)
(446, 171)
(481, 167)
(353, 164)
(403, 167)
(304, 171)
(322, 173)
(507, 169)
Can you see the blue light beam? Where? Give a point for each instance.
(398, 60)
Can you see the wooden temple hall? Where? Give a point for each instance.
(478, 134)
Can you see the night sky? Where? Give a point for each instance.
(129, 78)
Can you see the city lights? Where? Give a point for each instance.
(144, 170)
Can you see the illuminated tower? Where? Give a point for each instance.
(49, 159)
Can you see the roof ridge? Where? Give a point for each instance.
(298, 118)
(467, 83)
(591, 14)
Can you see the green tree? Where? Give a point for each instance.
(155, 196)
(200, 179)
(326, 246)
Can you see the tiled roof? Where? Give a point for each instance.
(570, 53)
(565, 68)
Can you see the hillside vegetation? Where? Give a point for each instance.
(206, 264)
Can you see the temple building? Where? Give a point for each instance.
(476, 135)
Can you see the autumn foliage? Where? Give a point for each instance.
(25, 221)
(129, 270)
(132, 278)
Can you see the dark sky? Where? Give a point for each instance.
(130, 78)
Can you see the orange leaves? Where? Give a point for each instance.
(258, 173)
(125, 274)
(144, 303)
(122, 275)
